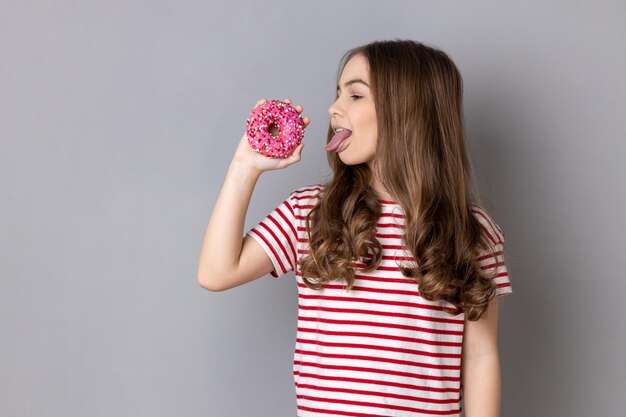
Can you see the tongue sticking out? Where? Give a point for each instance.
(338, 139)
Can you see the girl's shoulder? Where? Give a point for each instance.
(306, 195)
(489, 225)
(311, 189)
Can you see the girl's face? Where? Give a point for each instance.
(354, 110)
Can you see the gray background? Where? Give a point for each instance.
(118, 120)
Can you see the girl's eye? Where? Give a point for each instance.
(356, 97)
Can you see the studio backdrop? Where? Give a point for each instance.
(119, 119)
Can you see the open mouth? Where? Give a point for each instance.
(343, 145)
(339, 140)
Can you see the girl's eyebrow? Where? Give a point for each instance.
(357, 80)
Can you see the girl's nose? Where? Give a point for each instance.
(333, 109)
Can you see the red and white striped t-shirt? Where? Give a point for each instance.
(380, 349)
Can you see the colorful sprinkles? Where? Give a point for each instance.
(290, 129)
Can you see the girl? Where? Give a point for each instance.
(398, 266)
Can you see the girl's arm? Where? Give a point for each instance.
(480, 365)
(227, 259)
(222, 244)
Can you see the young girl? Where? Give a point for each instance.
(398, 266)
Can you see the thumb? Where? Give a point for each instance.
(297, 154)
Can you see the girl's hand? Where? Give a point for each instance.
(252, 159)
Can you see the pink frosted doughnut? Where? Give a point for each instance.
(290, 129)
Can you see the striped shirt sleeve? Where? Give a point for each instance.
(493, 261)
(277, 235)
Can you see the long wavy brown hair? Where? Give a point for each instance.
(423, 163)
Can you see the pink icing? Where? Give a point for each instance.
(285, 118)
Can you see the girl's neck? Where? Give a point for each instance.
(377, 185)
(380, 190)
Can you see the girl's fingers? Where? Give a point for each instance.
(295, 157)
(258, 103)
(299, 109)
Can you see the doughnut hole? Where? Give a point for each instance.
(274, 130)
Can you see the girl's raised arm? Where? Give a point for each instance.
(226, 259)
